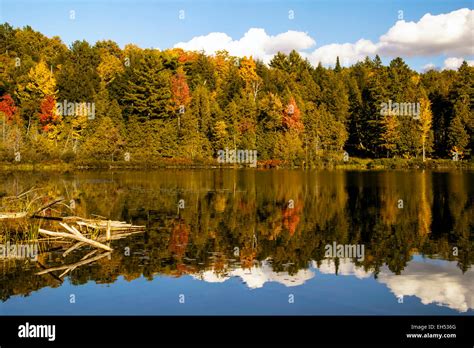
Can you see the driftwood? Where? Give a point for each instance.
(76, 231)
(113, 230)
(74, 234)
(19, 215)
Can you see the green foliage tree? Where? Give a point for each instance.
(105, 143)
(148, 92)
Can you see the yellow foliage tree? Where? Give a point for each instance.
(41, 81)
(425, 119)
(248, 73)
(109, 67)
(390, 133)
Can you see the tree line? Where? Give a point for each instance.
(149, 105)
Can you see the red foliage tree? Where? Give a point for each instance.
(7, 107)
(47, 115)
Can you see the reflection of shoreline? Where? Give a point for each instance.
(432, 281)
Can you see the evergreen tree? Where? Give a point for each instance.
(337, 68)
(458, 137)
(78, 80)
(148, 92)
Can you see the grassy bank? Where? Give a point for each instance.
(352, 164)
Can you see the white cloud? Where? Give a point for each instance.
(285, 42)
(449, 34)
(453, 63)
(255, 42)
(348, 53)
(443, 34)
(429, 66)
(208, 43)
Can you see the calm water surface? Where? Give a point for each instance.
(254, 242)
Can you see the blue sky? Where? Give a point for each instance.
(157, 23)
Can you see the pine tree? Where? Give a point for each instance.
(337, 68)
(375, 93)
(78, 80)
(201, 105)
(458, 136)
(148, 92)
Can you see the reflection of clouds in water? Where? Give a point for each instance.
(440, 282)
(433, 281)
(256, 277)
(346, 267)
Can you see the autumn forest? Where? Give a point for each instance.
(104, 103)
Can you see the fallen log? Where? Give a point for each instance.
(19, 215)
(54, 218)
(77, 236)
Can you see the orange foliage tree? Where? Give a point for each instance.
(180, 89)
(180, 92)
(292, 117)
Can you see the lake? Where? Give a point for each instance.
(257, 242)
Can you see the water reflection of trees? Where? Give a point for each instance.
(239, 218)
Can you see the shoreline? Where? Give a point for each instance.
(352, 164)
